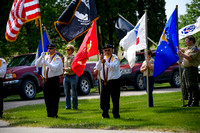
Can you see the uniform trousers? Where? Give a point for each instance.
(52, 96)
(112, 89)
(190, 79)
(1, 97)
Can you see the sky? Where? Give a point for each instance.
(171, 5)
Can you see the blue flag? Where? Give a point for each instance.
(40, 49)
(166, 53)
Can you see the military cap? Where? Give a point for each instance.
(107, 46)
(51, 46)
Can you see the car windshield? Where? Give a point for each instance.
(25, 60)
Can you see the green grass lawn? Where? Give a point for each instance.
(166, 115)
(93, 90)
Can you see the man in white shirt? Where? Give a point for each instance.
(109, 67)
(3, 68)
(52, 68)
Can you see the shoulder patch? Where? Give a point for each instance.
(195, 49)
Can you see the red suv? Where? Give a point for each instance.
(133, 76)
(22, 78)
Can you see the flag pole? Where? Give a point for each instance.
(147, 72)
(179, 61)
(100, 51)
(42, 45)
(47, 34)
(134, 26)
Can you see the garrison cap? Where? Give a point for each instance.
(51, 46)
(107, 46)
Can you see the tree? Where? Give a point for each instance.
(156, 17)
(192, 13)
(108, 11)
(4, 9)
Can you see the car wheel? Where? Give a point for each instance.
(84, 86)
(175, 80)
(139, 82)
(28, 90)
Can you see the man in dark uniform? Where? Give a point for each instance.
(109, 68)
(190, 72)
(53, 65)
(3, 67)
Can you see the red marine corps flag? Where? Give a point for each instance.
(88, 48)
(22, 11)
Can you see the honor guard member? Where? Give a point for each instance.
(190, 73)
(54, 68)
(3, 67)
(109, 68)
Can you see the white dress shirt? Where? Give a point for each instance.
(3, 67)
(113, 68)
(55, 67)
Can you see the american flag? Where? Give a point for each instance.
(21, 12)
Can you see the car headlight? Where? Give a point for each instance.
(10, 76)
(126, 71)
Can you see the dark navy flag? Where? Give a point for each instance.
(122, 27)
(40, 49)
(76, 19)
(166, 53)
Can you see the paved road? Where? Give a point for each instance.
(13, 104)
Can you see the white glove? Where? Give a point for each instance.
(43, 54)
(46, 63)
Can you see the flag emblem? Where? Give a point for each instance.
(89, 46)
(188, 29)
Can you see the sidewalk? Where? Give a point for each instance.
(66, 130)
(4, 126)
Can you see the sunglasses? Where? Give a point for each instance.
(107, 50)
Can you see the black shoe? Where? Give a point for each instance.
(75, 108)
(55, 116)
(117, 116)
(105, 116)
(1, 116)
(194, 105)
(186, 105)
(67, 108)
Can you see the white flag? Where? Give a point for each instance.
(189, 29)
(133, 41)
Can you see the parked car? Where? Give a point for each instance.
(22, 78)
(133, 76)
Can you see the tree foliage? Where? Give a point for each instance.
(108, 10)
(156, 17)
(192, 13)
